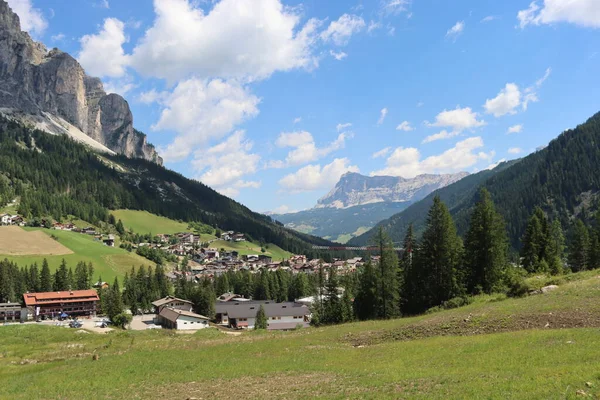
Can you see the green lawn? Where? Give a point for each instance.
(108, 262)
(452, 357)
(246, 248)
(145, 222)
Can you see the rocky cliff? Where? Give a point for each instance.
(51, 90)
(355, 189)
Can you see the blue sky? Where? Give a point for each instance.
(270, 101)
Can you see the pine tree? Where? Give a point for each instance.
(261, 319)
(486, 247)
(365, 303)
(46, 283)
(594, 251)
(435, 277)
(119, 227)
(579, 248)
(261, 291)
(61, 277)
(222, 284)
(556, 248)
(535, 241)
(387, 277)
(332, 312)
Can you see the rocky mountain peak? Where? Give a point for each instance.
(354, 189)
(50, 90)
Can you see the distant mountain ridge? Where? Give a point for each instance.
(358, 202)
(354, 189)
(51, 91)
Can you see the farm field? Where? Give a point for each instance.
(144, 222)
(539, 347)
(108, 262)
(246, 248)
(16, 241)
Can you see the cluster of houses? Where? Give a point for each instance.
(231, 236)
(11, 219)
(211, 263)
(107, 240)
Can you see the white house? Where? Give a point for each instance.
(182, 320)
(173, 303)
(280, 316)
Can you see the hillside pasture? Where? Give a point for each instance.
(143, 222)
(15, 241)
(249, 248)
(108, 262)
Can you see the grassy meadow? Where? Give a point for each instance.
(246, 248)
(539, 347)
(144, 222)
(109, 262)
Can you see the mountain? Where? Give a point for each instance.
(563, 178)
(56, 176)
(50, 91)
(358, 202)
(354, 189)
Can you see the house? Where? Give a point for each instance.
(265, 259)
(4, 219)
(101, 285)
(280, 316)
(171, 318)
(12, 312)
(186, 237)
(238, 237)
(172, 302)
(211, 253)
(7, 219)
(109, 241)
(80, 303)
(89, 230)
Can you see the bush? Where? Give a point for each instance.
(514, 279)
(455, 302)
(122, 320)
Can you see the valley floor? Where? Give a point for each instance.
(545, 346)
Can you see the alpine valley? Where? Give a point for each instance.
(358, 202)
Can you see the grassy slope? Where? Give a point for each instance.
(108, 262)
(245, 248)
(360, 360)
(145, 222)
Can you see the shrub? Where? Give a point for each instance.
(122, 320)
(514, 279)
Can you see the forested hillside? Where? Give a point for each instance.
(563, 179)
(55, 176)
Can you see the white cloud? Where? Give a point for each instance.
(382, 153)
(304, 148)
(382, 115)
(313, 177)
(119, 86)
(439, 136)
(340, 31)
(580, 12)
(283, 209)
(102, 54)
(341, 127)
(515, 129)
(394, 6)
(200, 110)
(224, 165)
(297, 120)
(458, 119)
(373, 25)
(405, 126)
(102, 4)
(340, 55)
(32, 19)
(58, 37)
(489, 18)
(266, 37)
(456, 30)
(506, 102)
(152, 96)
(494, 165)
(406, 162)
(515, 150)
(420, 104)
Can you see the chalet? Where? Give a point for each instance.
(265, 259)
(89, 230)
(81, 303)
(186, 237)
(280, 316)
(173, 303)
(171, 318)
(211, 253)
(4, 219)
(63, 227)
(12, 312)
(238, 237)
(7, 219)
(109, 241)
(101, 285)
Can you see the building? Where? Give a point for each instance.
(11, 312)
(280, 316)
(75, 303)
(182, 320)
(109, 241)
(173, 303)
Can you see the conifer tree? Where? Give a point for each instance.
(332, 311)
(365, 303)
(387, 277)
(435, 277)
(556, 248)
(579, 248)
(261, 319)
(61, 277)
(486, 247)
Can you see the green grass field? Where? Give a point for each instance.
(246, 248)
(495, 348)
(145, 222)
(108, 262)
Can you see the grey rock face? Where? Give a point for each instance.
(355, 189)
(34, 81)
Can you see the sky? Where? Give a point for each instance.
(271, 101)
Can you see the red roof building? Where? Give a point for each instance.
(53, 304)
